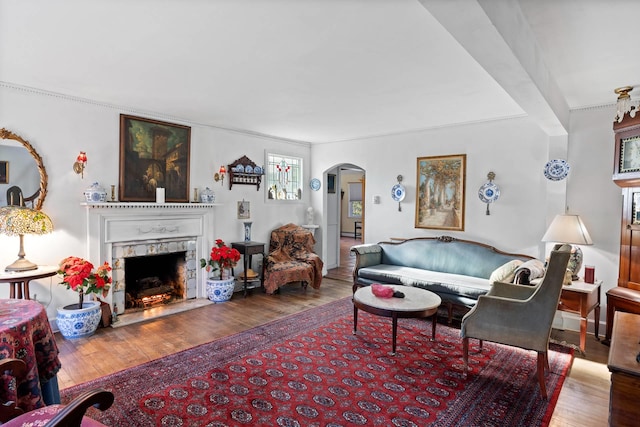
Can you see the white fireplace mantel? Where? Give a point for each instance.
(117, 225)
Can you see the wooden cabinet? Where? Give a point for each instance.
(626, 174)
(625, 371)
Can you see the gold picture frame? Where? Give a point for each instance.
(440, 184)
(153, 154)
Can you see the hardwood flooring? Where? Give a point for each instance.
(584, 399)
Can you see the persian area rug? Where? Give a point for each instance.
(309, 369)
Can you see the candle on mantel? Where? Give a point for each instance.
(159, 195)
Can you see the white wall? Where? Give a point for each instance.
(517, 151)
(59, 128)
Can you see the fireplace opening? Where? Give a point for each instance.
(154, 279)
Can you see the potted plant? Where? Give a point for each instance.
(222, 259)
(82, 319)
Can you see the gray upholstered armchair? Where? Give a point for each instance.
(518, 315)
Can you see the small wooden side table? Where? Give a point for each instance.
(247, 250)
(19, 280)
(582, 298)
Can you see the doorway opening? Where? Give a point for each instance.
(345, 214)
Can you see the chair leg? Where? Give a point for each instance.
(480, 346)
(465, 354)
(541, 363)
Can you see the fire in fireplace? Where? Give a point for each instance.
(154, 279)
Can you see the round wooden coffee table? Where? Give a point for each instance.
(416, 303)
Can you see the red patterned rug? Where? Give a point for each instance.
(309, 369)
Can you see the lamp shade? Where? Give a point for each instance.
(567, 229)
(17, 220)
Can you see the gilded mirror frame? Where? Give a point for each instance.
(39, 200)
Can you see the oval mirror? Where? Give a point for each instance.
(21, 166)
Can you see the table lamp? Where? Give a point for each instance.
(18, 220)
(569, 229)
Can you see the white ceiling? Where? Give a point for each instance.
(326, 70)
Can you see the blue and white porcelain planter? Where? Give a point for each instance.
(79, 322)
(220, 290)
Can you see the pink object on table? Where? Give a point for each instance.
(382, 291)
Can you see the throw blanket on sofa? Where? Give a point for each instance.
(291, 259)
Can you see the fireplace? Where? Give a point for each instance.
(153, 280)
(154, 251)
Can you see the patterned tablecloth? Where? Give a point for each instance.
(25, 334)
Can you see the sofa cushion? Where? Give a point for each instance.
(506, 272)
(440, 283)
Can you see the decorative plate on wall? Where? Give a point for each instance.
(314, 184)
(489, 192)
(556, 169)
(398, 192)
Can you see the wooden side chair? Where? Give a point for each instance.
(71, 415)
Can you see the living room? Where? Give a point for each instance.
(65, 81)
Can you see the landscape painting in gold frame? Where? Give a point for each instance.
(440, 192)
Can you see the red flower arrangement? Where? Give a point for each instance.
(222, 257)
(78, 275)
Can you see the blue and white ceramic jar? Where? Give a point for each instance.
(79, 322)
(95, 194)
(220, 290)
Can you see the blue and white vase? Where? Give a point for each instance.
(220, 290)
(79, 322)
(247, 231)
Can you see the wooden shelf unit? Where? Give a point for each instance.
(244, 178)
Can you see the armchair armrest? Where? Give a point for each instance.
(71, 414)
(367, 254)
(510, 290)
(501, 320)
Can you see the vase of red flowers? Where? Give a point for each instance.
(222, 258)
(82, 319)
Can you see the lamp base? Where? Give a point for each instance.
(21, 264)
(575, 262)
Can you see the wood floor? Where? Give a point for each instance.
(584, 399)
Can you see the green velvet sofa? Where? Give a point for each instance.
(456, 270)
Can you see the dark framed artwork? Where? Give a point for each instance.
(153, 154)
(440, 198)
(4, 172)
(331, 183)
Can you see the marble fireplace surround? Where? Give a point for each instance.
(118, 230)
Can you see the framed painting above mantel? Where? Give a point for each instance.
(440, 192)
(153, 154)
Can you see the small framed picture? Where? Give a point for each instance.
(244, 210)
(4, 172)
(331, 183)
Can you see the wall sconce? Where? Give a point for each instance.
(78, 166)
(624, 104)
(219, 176)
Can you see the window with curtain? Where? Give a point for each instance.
(355, 200)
